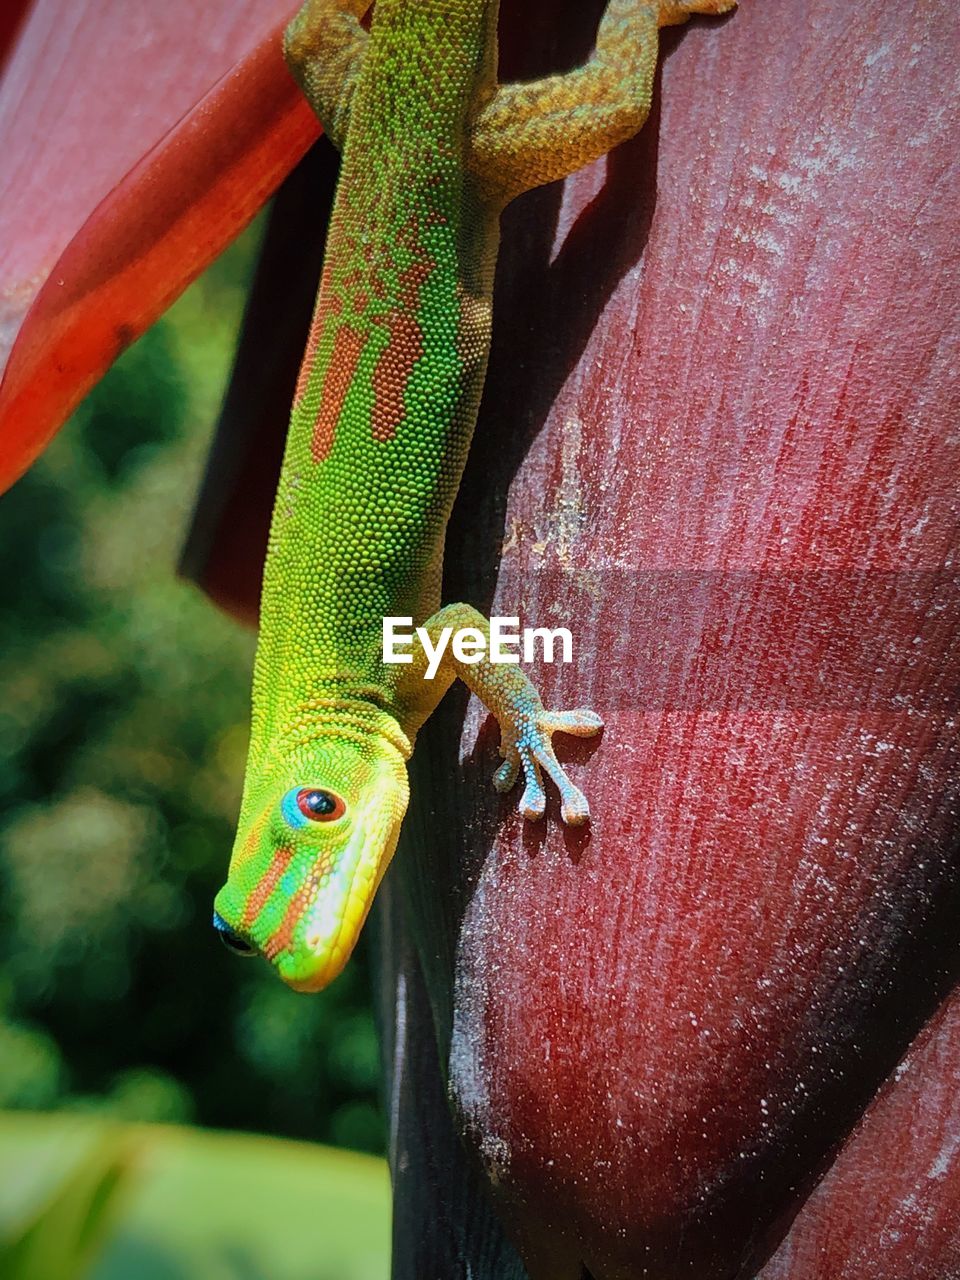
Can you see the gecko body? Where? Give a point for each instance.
(433, 148)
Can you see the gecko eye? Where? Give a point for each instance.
(320, 806)
(311, 804)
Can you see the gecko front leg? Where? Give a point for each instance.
(526, 726)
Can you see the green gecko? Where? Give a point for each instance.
(433, 149)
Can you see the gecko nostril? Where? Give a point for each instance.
(232, 941)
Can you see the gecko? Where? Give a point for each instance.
(432, 149)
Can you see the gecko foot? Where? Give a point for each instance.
(528, 746)
(674, 12)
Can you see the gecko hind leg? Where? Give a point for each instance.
(674, 12)
(536, 132)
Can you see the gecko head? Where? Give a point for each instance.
(314, 840)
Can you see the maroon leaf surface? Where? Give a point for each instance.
(890, 1206)
(718, 442)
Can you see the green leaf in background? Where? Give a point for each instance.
(59, 1195)
(85, 1200)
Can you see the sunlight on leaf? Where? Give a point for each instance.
(56, 1216)
(195, 1205)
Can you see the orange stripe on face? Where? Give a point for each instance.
(347, 346)
(258, 899)
(282, 938)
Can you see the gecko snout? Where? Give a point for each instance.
(232, 941)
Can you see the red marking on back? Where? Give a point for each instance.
(404, 348)
(409, 233)
(347, 346)
(412, 281)
(393, 368)
(328, 304)
(258, 899)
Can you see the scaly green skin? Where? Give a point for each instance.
(381, 425)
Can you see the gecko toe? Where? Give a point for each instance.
(581, 722)
(506, 775)
(574, 809)
(533, 802)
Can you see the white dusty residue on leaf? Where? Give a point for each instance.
(564, 520)
(946, 1158)
(469, 1069)
(772, 219)
(569, 512)
(399, 1056)
(761, 239)
(878, 54)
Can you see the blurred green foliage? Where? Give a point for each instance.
(100, 1201)
(123, 724)
(61, 1195)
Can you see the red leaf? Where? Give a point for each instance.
(11, 19)
(890, 1206)
(718, 441)
(167, 217)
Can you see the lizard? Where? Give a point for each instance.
(433, 148)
